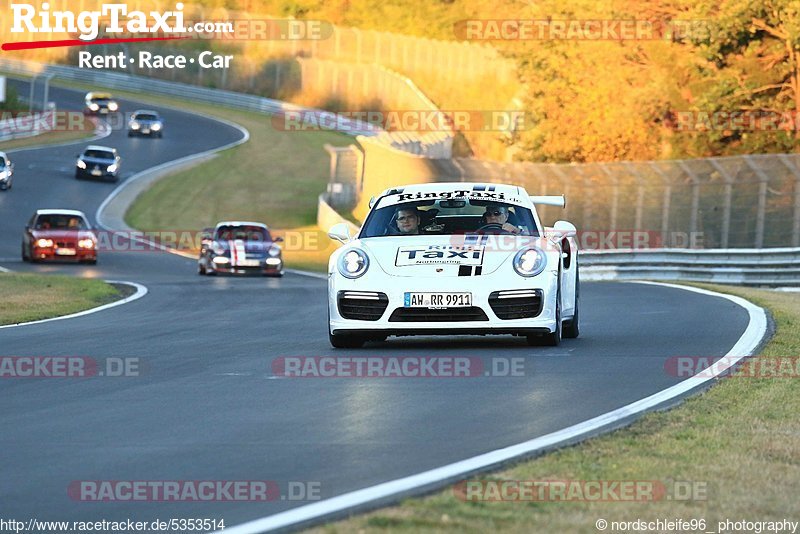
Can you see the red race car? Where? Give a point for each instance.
(63, 235)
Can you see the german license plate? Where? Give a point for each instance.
(145, 130)
(97, 172)
(248, 263)
(65, 251)
(437, 300)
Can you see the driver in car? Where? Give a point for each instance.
(407, 221)
(499, 215)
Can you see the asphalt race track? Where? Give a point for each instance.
(207, 406)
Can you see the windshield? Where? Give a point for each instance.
(448, 217)
(60, 222)
(245, 233)
(98, 154)
(145, 117)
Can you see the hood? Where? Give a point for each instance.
(97, 161)
(249, 247)
(62, 234)
(437, 256)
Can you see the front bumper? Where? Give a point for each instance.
(263, 268)
(87, 173)
(144, 132)
(52, 254)
(394, 321)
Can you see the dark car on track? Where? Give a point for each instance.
(99, 162)
(97, 103)
(145, 122)
(236, 247)
(6, 171)
(58, 234)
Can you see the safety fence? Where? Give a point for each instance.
(748, 201)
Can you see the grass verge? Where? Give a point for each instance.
(82, 131)
(740, 441)
(32, 297)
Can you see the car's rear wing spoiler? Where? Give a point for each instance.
(550, 200)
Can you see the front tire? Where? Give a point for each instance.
(553, 339)
(572, 329)
(25, 257)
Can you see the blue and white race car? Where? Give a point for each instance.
(454, 259)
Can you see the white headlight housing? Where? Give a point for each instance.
(353, 263)
(530, 262)
(81, 164)
(112, 167)
(218, 249)
(274, 251)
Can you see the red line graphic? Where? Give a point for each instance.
(77, 42)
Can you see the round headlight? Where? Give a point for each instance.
(113, 106)
(134, 125)
(530, 262)
(44, 243)
(94, 107)
(218, 249)
(274, 251)
(353, 263)
(81, 164)
(156, 126)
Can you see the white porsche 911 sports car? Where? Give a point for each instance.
(454, 259)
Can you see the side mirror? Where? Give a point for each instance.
(278, 240)
(371, 202)
(340, 232)
(566, 229)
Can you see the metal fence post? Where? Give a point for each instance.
(614, 195)
(763, 181)
(695, 215)
(637, 225)
(726, 202)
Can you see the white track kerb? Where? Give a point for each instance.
(386, 492)
(140, 292)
